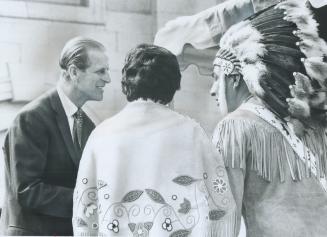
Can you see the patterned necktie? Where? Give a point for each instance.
(78, 128)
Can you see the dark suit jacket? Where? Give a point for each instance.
(41, 166)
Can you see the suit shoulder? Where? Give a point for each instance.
(39, 107)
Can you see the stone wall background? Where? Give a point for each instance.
(34, 32)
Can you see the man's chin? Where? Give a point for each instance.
(97, 98)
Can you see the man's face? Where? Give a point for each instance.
(92, 80)
(223, 90)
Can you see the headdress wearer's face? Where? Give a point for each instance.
(281, 58)
(226, 66)
(218, 90)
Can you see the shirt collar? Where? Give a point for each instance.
(69, 107)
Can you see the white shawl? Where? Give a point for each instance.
(149, 171)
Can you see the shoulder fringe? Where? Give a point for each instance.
(245, 143)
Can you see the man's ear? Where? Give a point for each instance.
(72, 71)
(236, 81)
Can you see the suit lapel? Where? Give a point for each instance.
(63, 125)
(88, 126)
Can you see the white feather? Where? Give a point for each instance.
(252, 74)
(290, 4)
(232, 30)
(318, 100)
(244, 40)
(298, 108)
(317, 69)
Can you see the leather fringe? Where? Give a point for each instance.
(264, 149)
(225, 227)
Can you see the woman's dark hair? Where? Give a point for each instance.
(150, 72)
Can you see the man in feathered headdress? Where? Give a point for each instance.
(271, 81)
(271, 75)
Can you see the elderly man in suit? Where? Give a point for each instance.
(44, 145)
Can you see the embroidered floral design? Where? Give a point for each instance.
(101, 184)
(225, 201)
(114, 226)
(126, 208)
(184, 180)
(132, 196)
(90, 209)
(141, 229)
(92, 195)
(106, 196)
(219, 185)
(155, 196)
(81, 222)
(215, 215)
(220, 170)
(180, 233)
(95, 226)
(185, 207)
(167, 225)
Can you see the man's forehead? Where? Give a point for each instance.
(98, 58)
(97, 53)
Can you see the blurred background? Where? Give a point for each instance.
(33, 32)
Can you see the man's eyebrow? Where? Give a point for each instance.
(102, 68)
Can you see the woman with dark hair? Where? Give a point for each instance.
(150, 171)
(151, 72)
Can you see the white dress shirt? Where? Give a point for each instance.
(69, 107)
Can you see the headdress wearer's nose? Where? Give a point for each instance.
(268, 48)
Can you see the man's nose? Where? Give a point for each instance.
(106, 78)
(214, 88)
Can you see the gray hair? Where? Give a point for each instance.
(75, 52)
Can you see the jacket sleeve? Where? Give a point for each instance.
(222, 207)
(232, 148)
(28, 141)
(86, 206)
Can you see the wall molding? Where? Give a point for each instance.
(93, 13)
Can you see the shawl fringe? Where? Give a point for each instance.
(243, 142)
